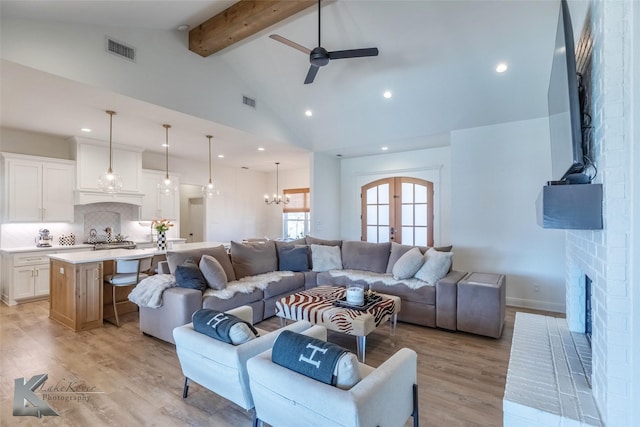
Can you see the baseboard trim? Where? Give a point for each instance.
(535, 304)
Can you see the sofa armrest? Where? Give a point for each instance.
(221, 366)
(384, 397)
(178, 305)
(447, 300)
(244, 312)
(163, 267)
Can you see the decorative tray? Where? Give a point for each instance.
(369, 300)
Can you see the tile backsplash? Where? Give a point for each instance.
(121, 217)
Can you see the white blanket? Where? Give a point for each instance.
(148, 293)
(248, 284)
(371, 277)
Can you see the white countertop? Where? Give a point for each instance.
(111, 254)
(89, 247)
(45, 249)
(106, 255)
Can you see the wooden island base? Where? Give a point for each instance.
(76, 294)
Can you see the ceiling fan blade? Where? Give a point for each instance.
(290, 43)
(313, 70)
(353, 53)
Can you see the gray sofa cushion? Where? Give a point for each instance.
(357, 255)
(252, 259)
(315, 241)
(175, 258)
(213, 272)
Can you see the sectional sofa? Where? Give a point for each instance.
(257, 275)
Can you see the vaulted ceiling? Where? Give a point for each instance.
(438, 59)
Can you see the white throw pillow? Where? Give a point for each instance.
(435, 267)
(240, 333)
(213, 272)
(408, 264)
(325, 258)
(347, 372)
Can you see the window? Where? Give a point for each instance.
(296, 215)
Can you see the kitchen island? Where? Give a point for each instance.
(76, 297)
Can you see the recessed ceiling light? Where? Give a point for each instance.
(387, 94)
(221, 156)
(384, 148)
(260, 148)
(308, 113)
(501, 68)
(183, 27)
(85, 130)
(165, 145)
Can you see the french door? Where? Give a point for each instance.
(398, 209)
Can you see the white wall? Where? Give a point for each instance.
(497, 174)
(430, 164)
(34, 144)
(325, 196)
(165, 73)
(294, 178)
(634, 262)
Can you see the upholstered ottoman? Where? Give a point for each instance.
(481, 304)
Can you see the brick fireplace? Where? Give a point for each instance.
(605, 256)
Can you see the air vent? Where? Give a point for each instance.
(120, 49)
(249, 101)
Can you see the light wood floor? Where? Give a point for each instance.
(461, 376)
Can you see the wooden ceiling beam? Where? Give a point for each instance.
(239, 21)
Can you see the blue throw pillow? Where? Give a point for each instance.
(223, 326)
(307, 356)
(188, 275)
(293, 258)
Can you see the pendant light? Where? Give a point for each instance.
(277, 197)
(110, 182)
(209, 190)
(166, 187)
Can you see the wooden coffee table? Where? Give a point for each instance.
(316, 305)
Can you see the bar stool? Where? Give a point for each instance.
(128, 272)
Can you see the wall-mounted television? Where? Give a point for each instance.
(565, 118)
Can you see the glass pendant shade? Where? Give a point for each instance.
(167, 187)
(209, 190)
(277, 197)
(110, 182)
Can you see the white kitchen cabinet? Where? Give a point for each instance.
(25, 275)
(93, 160)
(156, 205)
(38, 189)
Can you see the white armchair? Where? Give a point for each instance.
(386, 396)
(221, 367)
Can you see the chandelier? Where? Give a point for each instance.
(209, 190)
(167, 187)
(110, 182)
(277, 197)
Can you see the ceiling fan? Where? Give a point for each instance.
(319, 56)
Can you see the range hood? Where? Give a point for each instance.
(86, 197)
